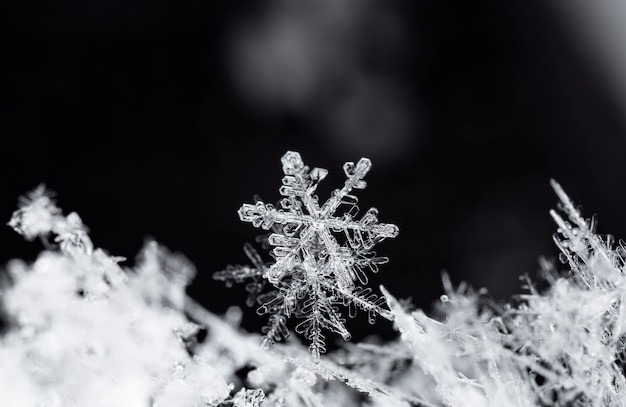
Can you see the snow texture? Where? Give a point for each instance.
(84, 331)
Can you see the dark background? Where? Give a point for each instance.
(159, 119)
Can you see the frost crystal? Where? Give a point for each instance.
(313, 272)
(39, 216)
(248, 398)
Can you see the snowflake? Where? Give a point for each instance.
(313, 272)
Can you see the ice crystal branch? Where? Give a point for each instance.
(313, 272)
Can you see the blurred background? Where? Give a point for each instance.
(158, 119)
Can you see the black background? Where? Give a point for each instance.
(127, 109)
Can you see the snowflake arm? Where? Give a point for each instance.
(240, 274)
